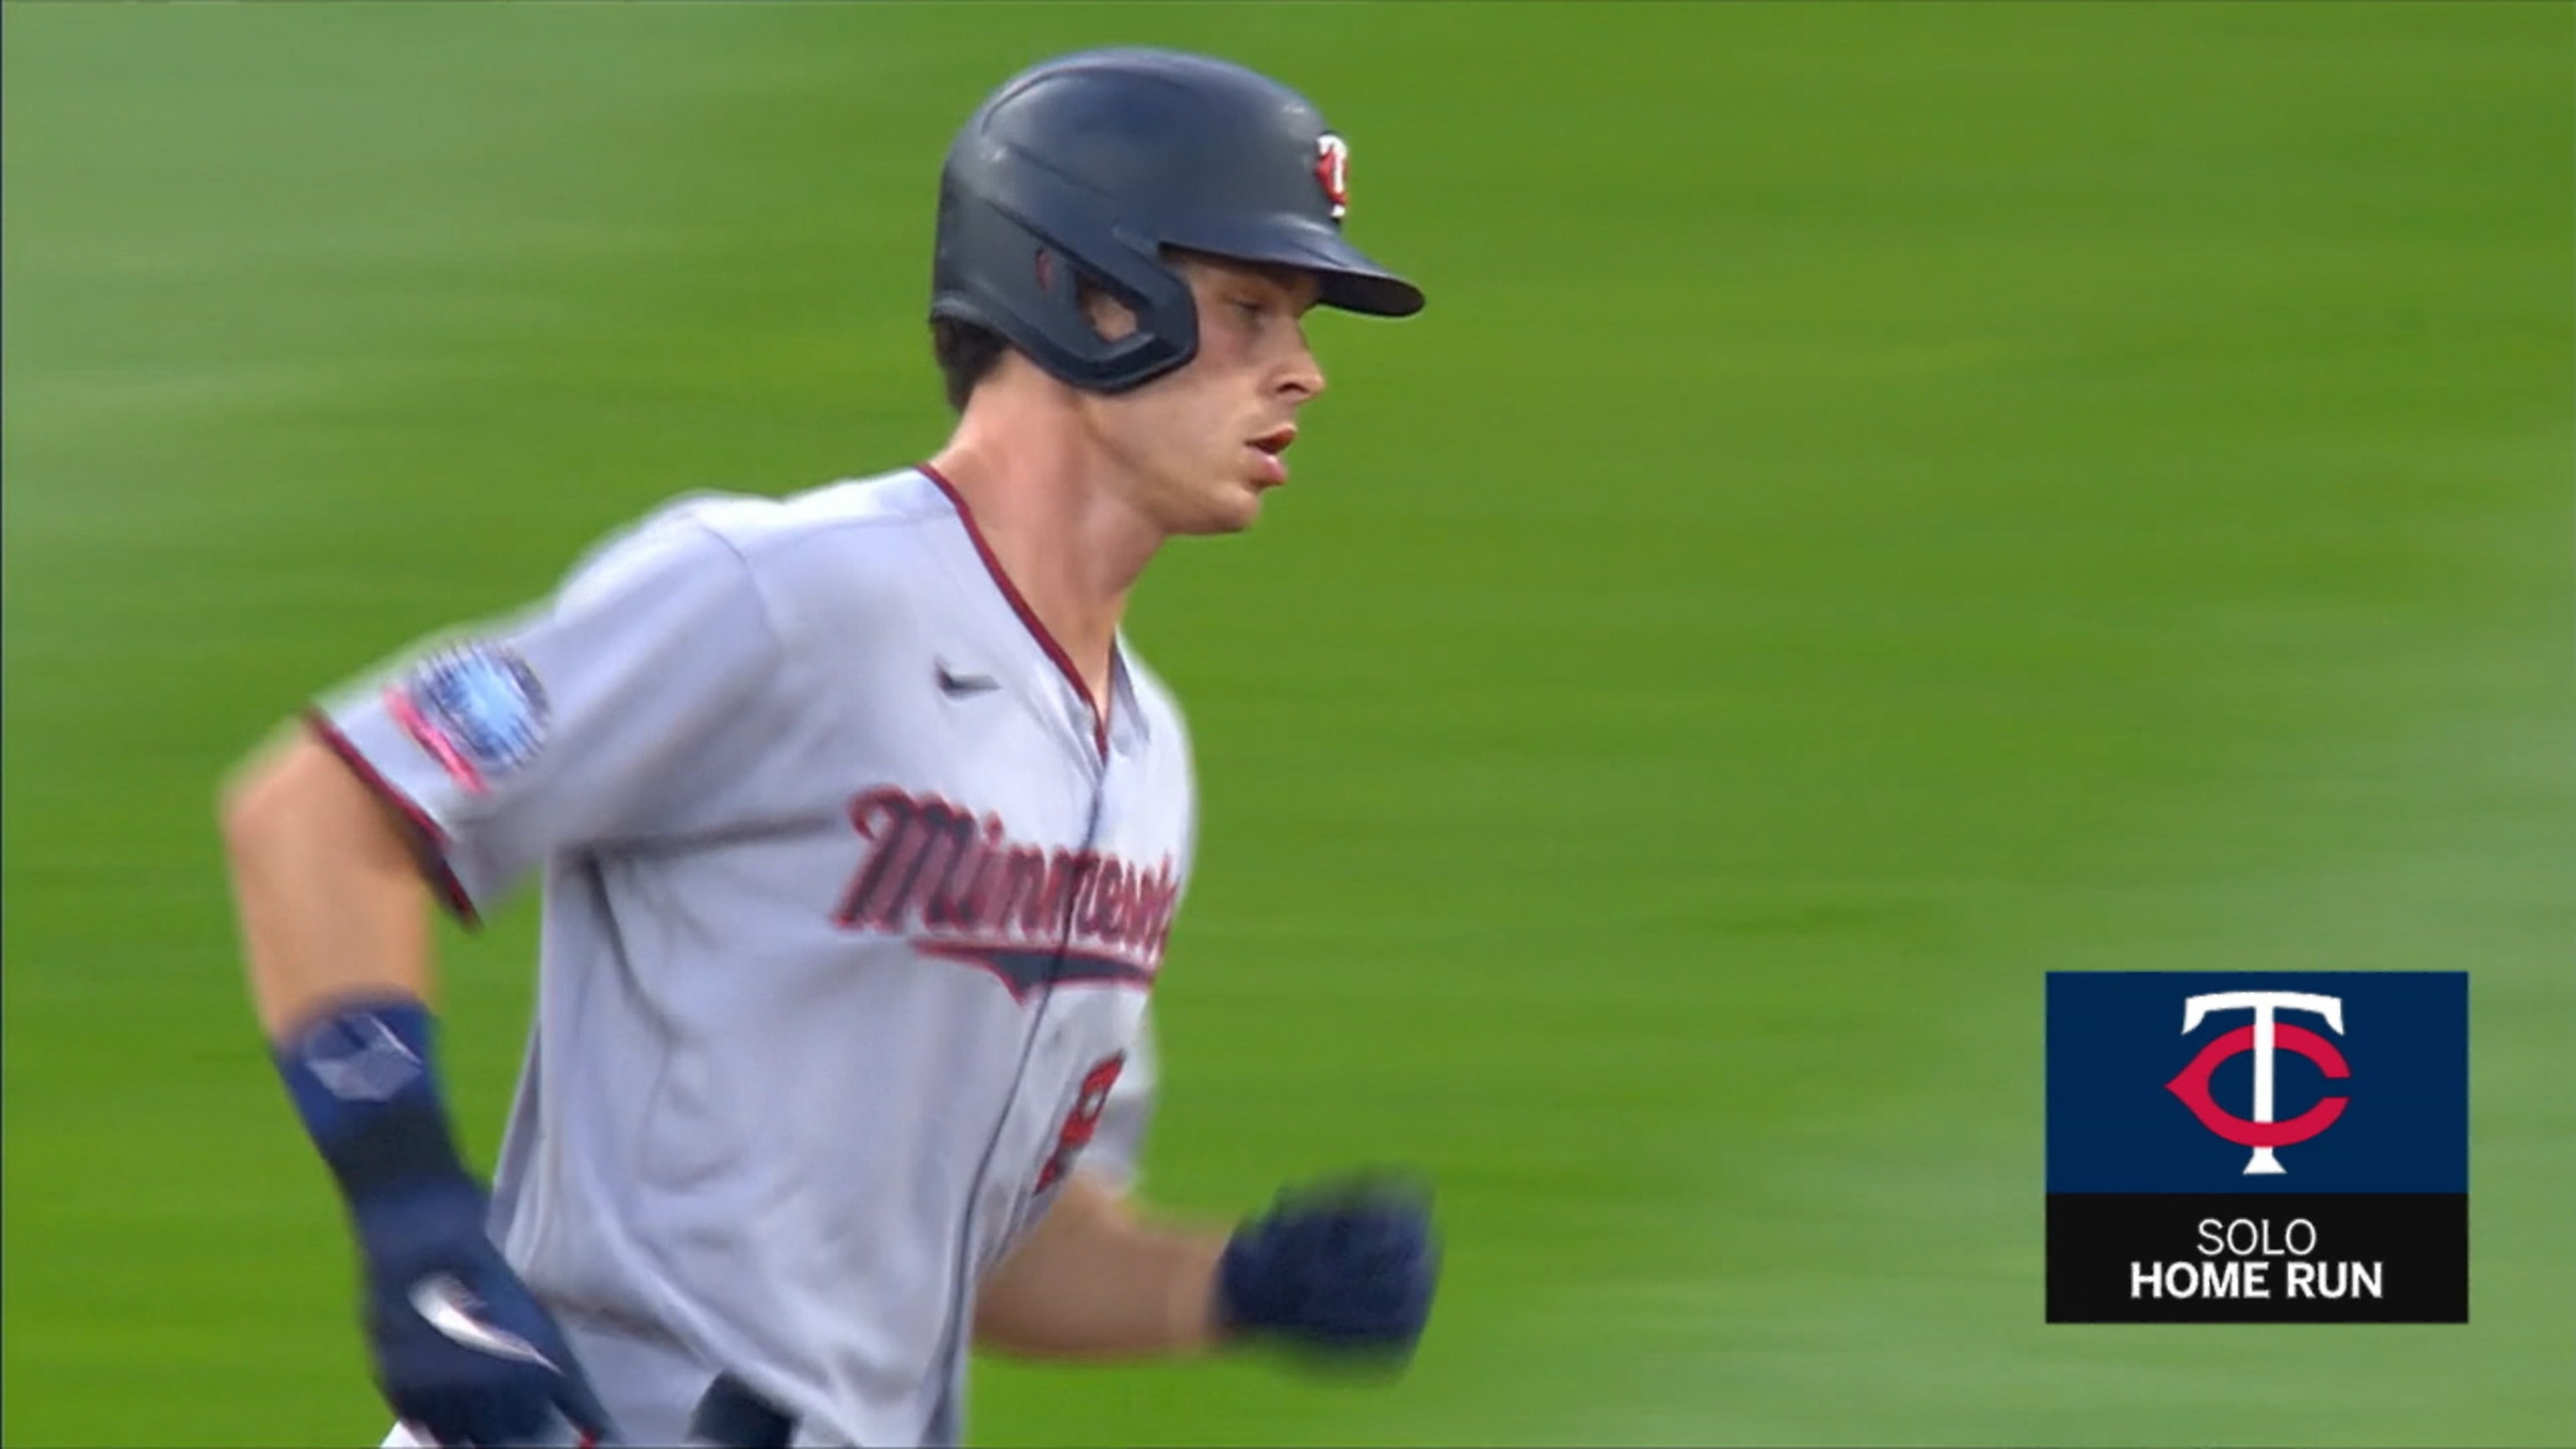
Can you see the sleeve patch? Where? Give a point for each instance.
(476, 709)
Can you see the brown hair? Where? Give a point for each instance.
(967, 354)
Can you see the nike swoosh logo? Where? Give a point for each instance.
(958, 686)
(447, 1306)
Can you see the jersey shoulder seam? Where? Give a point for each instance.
(760, 600)
(923, 511)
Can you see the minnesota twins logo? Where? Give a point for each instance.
(2251, 1186)
(1333, 172)
(960, 886)
(2264, 1039)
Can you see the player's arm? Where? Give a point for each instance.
(1345, 1268)
(326, 884)
(335, 922)
(595, 716)
(1095, 1280)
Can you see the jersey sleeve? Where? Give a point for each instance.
(608, 711)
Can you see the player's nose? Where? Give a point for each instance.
(1303, 376)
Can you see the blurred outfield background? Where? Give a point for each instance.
(1885, 502)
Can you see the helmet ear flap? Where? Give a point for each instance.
(998, 268)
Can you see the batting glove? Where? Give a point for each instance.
(1344, 1267)
(462, 1351)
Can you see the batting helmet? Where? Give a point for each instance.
(1088, 166)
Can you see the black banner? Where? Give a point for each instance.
(2270, 1257)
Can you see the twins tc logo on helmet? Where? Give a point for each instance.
(1333, 171)
(2267, 1036)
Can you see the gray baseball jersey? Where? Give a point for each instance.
(852, 906)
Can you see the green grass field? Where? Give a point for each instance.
(1886, 502)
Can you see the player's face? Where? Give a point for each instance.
(1200, 445)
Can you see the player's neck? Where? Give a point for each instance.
(1070, 546)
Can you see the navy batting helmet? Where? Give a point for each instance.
(1088, 166)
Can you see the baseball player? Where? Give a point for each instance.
(860, 829)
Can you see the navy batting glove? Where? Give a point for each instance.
(1345, 1268)
(462, 1351)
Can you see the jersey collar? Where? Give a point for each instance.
(1126, 724)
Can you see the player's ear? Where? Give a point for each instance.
(1109, 316)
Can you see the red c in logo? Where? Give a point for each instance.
(1333, 172)
(2192, 1086)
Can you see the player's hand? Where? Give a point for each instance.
(1345, 1267)
(462, 1350)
